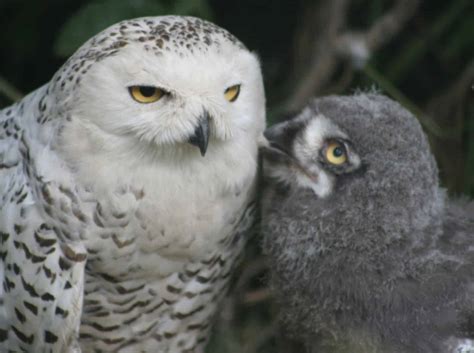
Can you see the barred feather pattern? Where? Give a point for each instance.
(57, 293)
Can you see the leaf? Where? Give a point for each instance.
(98, 15)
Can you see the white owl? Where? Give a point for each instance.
(127, 185)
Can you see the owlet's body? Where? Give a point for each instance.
(127, 186)
(367, 253)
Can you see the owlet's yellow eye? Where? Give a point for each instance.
(146, 94)
(336, 153)
(232, 93)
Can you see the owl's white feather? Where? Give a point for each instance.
(117, 181)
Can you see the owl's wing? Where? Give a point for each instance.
(216, 270)
(42, 275)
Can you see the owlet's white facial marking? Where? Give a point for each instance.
(306, 149)
(302, 145)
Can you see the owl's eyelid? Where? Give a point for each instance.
(234, 85)
(346, 145)
(165, 91)
(237, 86)
(338, 139)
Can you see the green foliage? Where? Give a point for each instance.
(418, 46)
(462, 38)
(99, 14)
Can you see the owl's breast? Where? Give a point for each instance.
(133, 231)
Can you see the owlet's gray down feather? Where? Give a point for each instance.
(367, 252)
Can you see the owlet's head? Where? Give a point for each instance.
(363, 153)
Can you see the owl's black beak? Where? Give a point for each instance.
(200, 138)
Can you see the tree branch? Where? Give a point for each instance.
(330, 44)
(449, 110)
(322, 26)
(385, 28)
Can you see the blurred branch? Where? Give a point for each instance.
(253, 270)
(454, 93)
(450, 109)
(441, 106)
(358, 46)
(330, 44)
(419, 45)
(342, 82)
(250, 272)
(255, 345)
(391, 23)
(257, 296)
(9, 91)
(426, 120)
(330, 17)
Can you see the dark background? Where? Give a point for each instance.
(418, 52)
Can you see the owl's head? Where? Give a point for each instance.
(361, 156)
(163, 84)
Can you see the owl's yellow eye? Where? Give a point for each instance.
(336, 153)
(146, 94)
(232, 93)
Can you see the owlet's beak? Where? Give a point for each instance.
(200, 138)
(280, 139)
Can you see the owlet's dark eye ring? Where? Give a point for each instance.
(146, 94)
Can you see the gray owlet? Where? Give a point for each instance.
(127, 185)
(366, 251)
